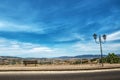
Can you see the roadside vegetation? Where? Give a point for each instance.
(111, 58)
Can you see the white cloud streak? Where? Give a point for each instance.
(114, 36)
(13, 48)
(93, 48)
(20, 49)
(10, 26)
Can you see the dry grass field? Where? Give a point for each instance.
(56, 67)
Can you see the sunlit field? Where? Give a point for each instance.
(57, 67)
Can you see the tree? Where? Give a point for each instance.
(112, 58)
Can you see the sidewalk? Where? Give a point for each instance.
(58, 67)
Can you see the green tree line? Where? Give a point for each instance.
(111, 58)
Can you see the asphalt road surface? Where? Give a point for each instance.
(101, 75)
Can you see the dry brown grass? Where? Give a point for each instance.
(55, 67)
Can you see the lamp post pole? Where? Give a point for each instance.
(101, 50)
(100, 42)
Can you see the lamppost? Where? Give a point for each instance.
(100, 42)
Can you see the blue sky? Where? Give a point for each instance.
(52, 28)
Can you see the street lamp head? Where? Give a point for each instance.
(95, 36)
(104, 37)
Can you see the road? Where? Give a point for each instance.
(97, 75)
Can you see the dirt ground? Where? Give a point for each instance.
(56, 67)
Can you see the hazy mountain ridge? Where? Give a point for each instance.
(82, 56)
(89, 56)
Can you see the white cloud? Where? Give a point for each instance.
(13, 48)
(70, 36)
(86, 47)
(113, 36)
(93, 48)
(41, 49)
(11, 26)
(20, 49)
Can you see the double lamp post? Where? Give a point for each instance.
(100, 42)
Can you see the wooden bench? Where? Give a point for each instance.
(26, 62)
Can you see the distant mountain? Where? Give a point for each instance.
(88, 56)
(62, 57)
(6, 57)
(82, 56)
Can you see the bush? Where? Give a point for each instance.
(112, 58)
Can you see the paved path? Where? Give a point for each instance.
(72, 75)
